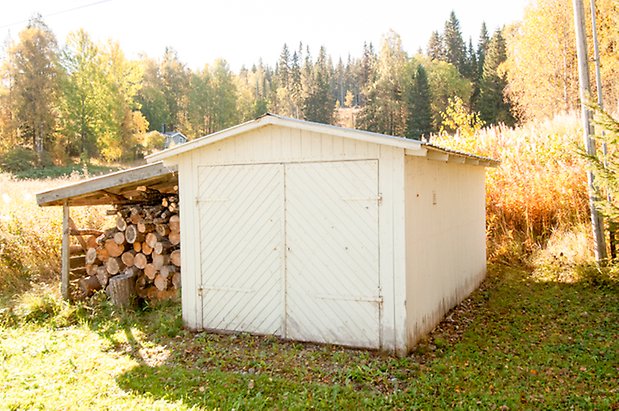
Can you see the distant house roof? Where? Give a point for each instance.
(174, 138)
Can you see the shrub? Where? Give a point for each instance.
(539, 187)
(18, 159)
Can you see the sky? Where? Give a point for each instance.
(242, 32)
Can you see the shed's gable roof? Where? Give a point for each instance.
(412, 147)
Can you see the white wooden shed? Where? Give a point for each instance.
(320, 233)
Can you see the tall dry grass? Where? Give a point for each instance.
(538, 189)
(30, 236)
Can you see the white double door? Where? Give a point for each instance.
(292, 250)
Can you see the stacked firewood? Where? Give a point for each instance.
(144, 247)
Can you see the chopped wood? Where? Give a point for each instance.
(121, 288)
(159, 260)
(150, 271)
(162, 247)
(175, 257)
(119, 238)
(91, 269)
(102, 254)
(161, 282)
(127, 258)
(162, 229)
(174, 237)
(102, 275)
(121, 223)
(146, 227)
(168, 270)
(141, 282)
(154, 294)
(146, 249)
(152, 239)
(113, 249)
(88, 285)
(143, 243)
(175, 223)
(91, 256)
(92, 241)
(132, 234)
(140, 261)
(176, 280)
(114, 265)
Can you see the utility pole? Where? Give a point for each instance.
(597, 223)
(598, 83)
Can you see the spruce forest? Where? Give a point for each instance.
(83, 100)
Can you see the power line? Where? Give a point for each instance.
(59, 12)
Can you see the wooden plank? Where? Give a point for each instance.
(77, 262)
(114, 180)
(80, 232)
(65, 254)
(80, 239)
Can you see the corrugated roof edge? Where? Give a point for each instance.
(276, 119)
(491, 162)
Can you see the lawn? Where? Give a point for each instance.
(522, 341)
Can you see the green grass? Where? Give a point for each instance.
(520, 342)
(62, 171)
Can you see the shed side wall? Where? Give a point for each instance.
(445, 239)
(276, 144)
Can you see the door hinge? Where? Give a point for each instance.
(200, 291)
(379, 199)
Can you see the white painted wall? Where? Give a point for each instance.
(277, 144)
(445, 239)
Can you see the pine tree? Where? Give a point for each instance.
(482, 47)
(419, 122)
(318, 104)
(455, 49)
(282, 69)
(493, 107)
(435, 47)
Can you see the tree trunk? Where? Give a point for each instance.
(121, 289)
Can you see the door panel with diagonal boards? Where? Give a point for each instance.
(332, 275)
(241, 244)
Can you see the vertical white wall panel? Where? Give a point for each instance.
(190, 278)
(445, 239)
(241, 238)
(332, 268)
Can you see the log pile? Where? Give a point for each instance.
(141, 251)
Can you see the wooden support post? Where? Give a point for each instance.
(66, 263)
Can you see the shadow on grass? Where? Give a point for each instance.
(517, 342)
